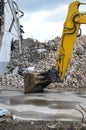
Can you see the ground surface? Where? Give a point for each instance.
(10, 124)
(40, 125)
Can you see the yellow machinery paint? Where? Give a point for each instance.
(70, 32)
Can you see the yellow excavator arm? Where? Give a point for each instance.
(35, 82)
(70, 32)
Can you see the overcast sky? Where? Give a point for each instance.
(43, 19)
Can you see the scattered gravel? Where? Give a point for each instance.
(40, 125)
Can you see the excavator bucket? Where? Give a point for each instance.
(36, 82)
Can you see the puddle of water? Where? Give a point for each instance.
(47, 106)
(10, 93)
(41, 103)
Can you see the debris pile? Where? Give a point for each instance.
(40, 57)
(11, 80)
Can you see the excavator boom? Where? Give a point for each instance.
(33, 82)
(70, 32)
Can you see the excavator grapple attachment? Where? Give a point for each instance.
(36, 82)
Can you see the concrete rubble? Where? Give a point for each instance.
(38, 57)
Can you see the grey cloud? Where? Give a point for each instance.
(36, 5)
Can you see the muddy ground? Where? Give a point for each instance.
(40, 125)
(8, 123)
